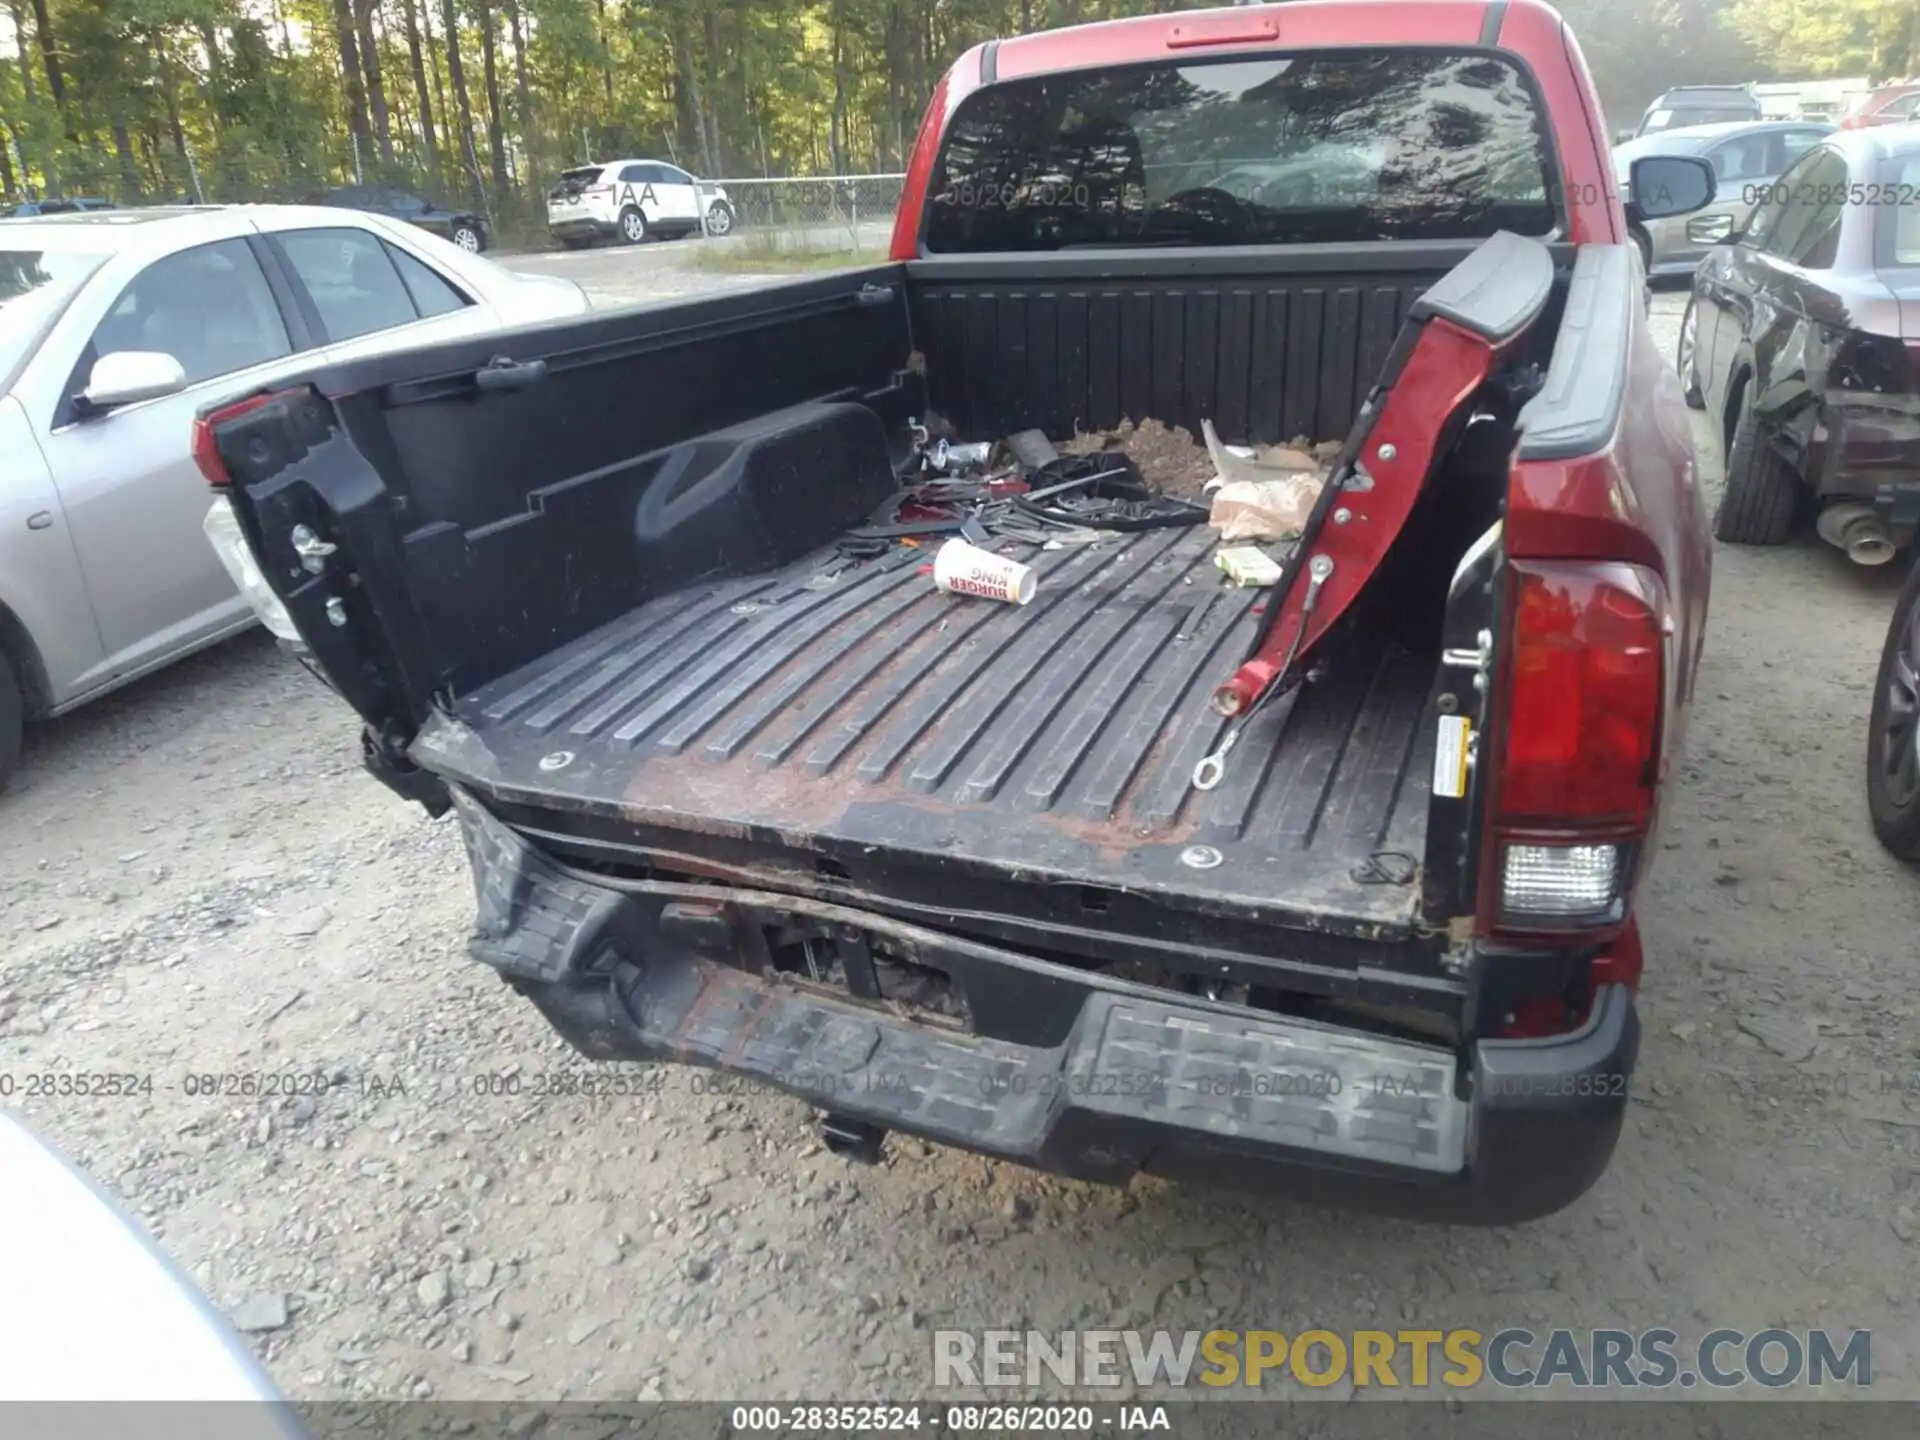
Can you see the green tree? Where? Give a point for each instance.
(482, 101)
(1639, 48)
(1876, 38)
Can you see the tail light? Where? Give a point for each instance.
(265, 433)
(206, 445)
(1574, 796)
(284, 425)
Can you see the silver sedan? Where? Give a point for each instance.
(116, 327)
(1745, 155)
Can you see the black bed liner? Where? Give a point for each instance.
(852, 711)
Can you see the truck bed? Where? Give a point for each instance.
(835, 711)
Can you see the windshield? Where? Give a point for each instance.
(35, 286)
(1354, 146)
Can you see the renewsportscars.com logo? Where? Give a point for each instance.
(1458, 1359)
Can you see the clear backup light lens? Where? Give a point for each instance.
(223, 530)
(1561, 883)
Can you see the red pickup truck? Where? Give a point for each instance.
(1326, 887)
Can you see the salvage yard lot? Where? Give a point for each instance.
(201, 886)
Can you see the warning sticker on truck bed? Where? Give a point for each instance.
(1450, 757)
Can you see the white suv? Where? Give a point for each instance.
(631, 200)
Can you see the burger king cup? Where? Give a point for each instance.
(966, 569)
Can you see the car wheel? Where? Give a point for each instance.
(719, 218)
(13, 715)
(1644, 245)
(1762, 492)
(1687, 359)
(633, 225)
(467, 237)
(1893, 730)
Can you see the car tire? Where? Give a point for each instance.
(1893, 764)
(13, 717)
(633, 226)
(1687, 358)
(468, 238)
(1762, 492)
(719, 219)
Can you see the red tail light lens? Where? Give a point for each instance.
(207, 427)
(206, 448)
(1584, 697)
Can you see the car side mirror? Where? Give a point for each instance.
(1662, 185)
(1712, 230)
(126, 377)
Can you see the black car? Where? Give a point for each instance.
(462, 227)
(1798, 339)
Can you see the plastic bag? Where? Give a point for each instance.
(1265, 509)
(1263, 498)
(1243, 462)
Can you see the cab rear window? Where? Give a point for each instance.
(1347, 146)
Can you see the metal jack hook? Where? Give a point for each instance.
(1208, 774)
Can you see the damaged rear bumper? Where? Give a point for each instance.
(1079, 1074)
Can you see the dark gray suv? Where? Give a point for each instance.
(1692, 105)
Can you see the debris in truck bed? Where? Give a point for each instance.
(1247, 566)
(1243, 463)
(1264, 509)
(1135, 477)
(965, 569)
(1102, 490)
(1031, 449)
(1171, 458)
(1168, 457)
(1262, 495)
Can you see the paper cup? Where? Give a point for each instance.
(966, 569)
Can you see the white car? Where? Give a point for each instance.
(116, 328)
(629, 200)
(97, 1312)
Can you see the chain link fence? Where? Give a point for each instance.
(814, 214)
(825, 212)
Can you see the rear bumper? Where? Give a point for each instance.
(579, 227)
(1081, 1075)
(1867, 447)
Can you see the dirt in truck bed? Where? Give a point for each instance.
(1172, 457)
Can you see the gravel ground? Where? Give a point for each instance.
(197, 879)
(644, 274)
